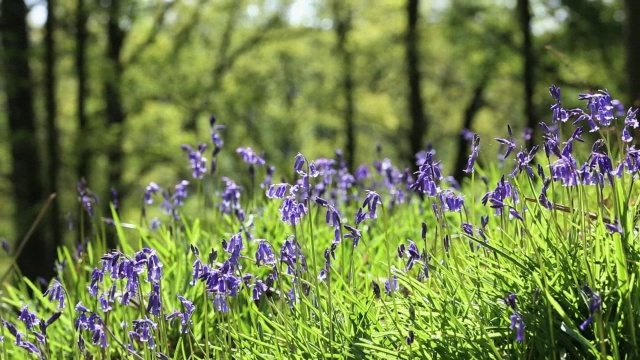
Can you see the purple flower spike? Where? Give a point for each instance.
(56, 293)
(264, 254)
(30, 319)
(197, 160)
(474, 154)
(249, 156)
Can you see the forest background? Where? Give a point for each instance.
(108, 90)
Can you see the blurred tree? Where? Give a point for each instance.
(419, 120)
(528, 64)
(82, 149)
(342, 18)
(113, 95)
(632, 51)
(53, 150)
(37, 257)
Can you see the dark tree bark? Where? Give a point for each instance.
(37, 257)
(470, 112)
(82, 148)
(419, 120)
(113, 97)
(524, 19)
(53, 153)
(632, 51)
(342, 18)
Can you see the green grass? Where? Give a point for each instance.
(458, 311)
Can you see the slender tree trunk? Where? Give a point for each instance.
(113, 97)
(632, 51)
(419, 120)
(343, 21)
(82, 149)
(524, 16)
(53, 153)
(37, 257)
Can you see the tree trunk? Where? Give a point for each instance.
(343, 21)
(82, 149)
(419, 120)
(53, 153)
(632, 51)
(113, 98)
(524, 17)
(37, 257)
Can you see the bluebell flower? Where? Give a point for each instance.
(391, 286)
(154, 306)
(509, 143)
(475, 140)
(290, 254)
(5, 246)
(264, 254)
(30, 319)
(230, 196)
(376, 289)
(249, 156)
(595, 305)
(197, 160)
(277, 191)
(30, 347)
(451, 201)
(151, 189)
(259, 288)
(353, 233)
(56, 293)
(143, 331)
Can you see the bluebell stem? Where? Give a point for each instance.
(595, 305)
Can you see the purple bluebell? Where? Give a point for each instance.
(595, 305)
(291, 211)
(353, 233)
(4, 243)
(429, 174)
(143, 330)
(277, 191)
(197, 160)
(28, 318)
(474, 153)
(376, 289)
(259, 288)
(264, 254)
(412, 253)
(56, 293)
(291, 255)
(467, 228)
(249, 156)
(151, 189)
(266, 183)
(154, 307)
(509, 143)
(391, 286)
(29, 346)
(230, 196)
(451, 201)
(104, 303)
(410, 337)
(234, 247)
(87, 198)
(523, 161)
